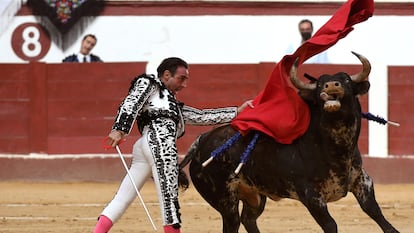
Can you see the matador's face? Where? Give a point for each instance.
(176, 82)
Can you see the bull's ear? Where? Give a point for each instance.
(362, 88)
(307, 95)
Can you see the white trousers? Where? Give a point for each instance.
(142, 166)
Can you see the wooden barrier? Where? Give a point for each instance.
(69, 108)
(401, 109)
(58, 109)
(61, 108)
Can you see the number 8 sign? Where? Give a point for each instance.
(30, 41)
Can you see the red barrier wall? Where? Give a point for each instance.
(69, 108)
(61, 108)
(15, 96)
(400, 107)
(82, 103)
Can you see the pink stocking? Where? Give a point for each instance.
(171, 229)
(103, 225)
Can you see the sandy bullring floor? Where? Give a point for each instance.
(73, 207)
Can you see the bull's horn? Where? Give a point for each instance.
(366, 69)
(296, 81)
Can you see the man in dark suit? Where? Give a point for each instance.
(85, 55)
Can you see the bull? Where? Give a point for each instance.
(321, 166)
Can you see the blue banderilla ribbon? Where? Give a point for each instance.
(222, 148)
(381, 120)
(228, 144)
(246, 153)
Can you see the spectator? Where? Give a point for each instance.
(161, 117)
(85, 55)
(305, 27)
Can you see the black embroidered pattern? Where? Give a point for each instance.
(161, 136)
(138, 93)
(196, 116)
(146, 117)
(152, 79)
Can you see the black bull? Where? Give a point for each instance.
(321, 166)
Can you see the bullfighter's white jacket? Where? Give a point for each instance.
(149, 99)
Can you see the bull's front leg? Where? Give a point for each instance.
(363, 190)
(318, 209)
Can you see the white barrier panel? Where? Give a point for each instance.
(378, 105)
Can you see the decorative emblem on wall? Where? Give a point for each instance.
(64, 13)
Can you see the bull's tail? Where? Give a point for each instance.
(183, 181)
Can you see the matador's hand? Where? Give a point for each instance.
(114, 137)
(244, 105)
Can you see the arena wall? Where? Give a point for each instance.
(55, 116)
(69, 108)
(109, 168)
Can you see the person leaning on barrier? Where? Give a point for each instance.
(88, 43)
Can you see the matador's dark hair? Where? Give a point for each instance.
(171, 64)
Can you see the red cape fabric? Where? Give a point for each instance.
(278, 110)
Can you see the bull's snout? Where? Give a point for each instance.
(332, 90)
(332, 84)
(331, 94)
